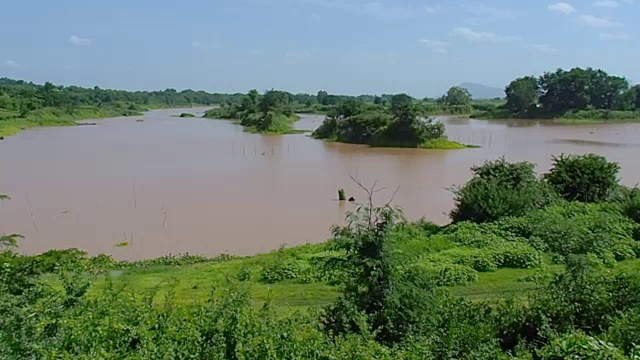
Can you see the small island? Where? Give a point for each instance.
(577, 95)
(270, 113)
(187, 115)
(399, 125)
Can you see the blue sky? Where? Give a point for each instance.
(343, 46)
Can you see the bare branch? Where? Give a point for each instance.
(392, 197)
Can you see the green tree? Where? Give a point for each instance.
(586, 178)
(563, 91)
(499, 189)
(522, 94)
(321, 95)
(458, 96)
(402, 107)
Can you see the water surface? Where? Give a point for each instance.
(176, 185)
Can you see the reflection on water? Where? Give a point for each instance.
(175, 185)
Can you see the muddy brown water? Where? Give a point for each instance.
(172, 185)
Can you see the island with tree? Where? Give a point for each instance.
(398, 125)
(270, 113)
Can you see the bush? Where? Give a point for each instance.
(282, 269)
(442, 274)
(580, 346)
(499, 189)
(628, 202)
(586, 178)
(576, 228)
(625, 332)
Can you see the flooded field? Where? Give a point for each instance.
(176, 185)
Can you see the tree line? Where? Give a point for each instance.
(557, 93)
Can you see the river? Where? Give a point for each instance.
(175, 185)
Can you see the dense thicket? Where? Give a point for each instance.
(20, 96)
(271, 112)
(398, 125)
(579, 93)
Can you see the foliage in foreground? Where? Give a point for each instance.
(500, 189)
(394, 303)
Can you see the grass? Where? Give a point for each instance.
(444, 144)
(574, 117)
(11, 123)
(196, 283)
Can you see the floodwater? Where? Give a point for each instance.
(171, 185)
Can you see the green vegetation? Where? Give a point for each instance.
(187, 115)
(558, 279)
(269, 113)
(577, 95)
(398, 126)
(26, 105)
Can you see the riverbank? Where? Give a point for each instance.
(577, 117)
(12, 123)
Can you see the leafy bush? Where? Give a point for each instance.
(587, 178)
(281, 269)
(628, 201)
(580, 346)
(625, 332)
(576, 228)
(442, 274)
(499, 189)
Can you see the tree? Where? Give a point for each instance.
(499, 189)
(321, 95)
(636, 98)
(378, 100)
(522, 94)
(564, 91)
(402, 106)
(457, 96)
(586, 178)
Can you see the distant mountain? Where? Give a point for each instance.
(479, 91)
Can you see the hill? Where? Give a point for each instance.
(479, 91)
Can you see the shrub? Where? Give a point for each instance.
(442, 274)
(576, 228)
(628, 202)
(499, 189)
(625, 332)
(586, 178)
(282, 269)
(580, 346)
(516, 256)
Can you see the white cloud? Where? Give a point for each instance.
(374, 8)
(562, 7)
(199, 45)
(629, 1)
(597, 21)
(482, 36)
(296, 57)
(488, 11)
(437, 46)
(76, 40)
(12, 64)
(606, 3)
(544, 48)
(431, 9)
(613, 36)
(203, 45)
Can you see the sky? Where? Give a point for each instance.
(420, 47)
